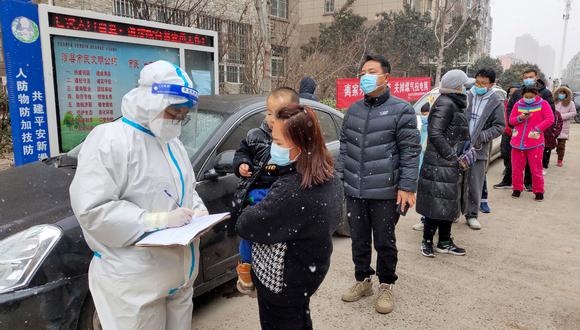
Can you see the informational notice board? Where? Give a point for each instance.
(92, 77)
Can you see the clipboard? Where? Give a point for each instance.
(184, 235)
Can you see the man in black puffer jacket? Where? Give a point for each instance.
(441, 196)
(379, 160)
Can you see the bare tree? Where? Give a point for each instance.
(445, 10)
(178, 12)
(264, 43)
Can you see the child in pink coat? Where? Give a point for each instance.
(530, 116)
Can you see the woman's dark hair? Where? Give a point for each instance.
(381, 59)
(302, 127)
(426, 108)
(487, 73)
(530, 89)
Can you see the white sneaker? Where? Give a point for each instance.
(474, 224)
(419, 226)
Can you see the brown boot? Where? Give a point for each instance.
(385, 301)
(358, 291)
(245, 284)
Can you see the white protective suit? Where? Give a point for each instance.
(124, 175)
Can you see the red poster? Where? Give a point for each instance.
(409, 89)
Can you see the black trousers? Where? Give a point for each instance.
(280, 315)
(484, 193)
(506, 155)
(432, 225)
(547, 156)
(373, 220)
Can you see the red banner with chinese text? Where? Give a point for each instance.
(409, 89)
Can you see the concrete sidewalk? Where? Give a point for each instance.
(521, 271)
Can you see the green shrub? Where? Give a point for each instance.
(5, 128)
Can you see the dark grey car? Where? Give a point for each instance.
(50, 288)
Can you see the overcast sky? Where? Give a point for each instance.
(540, 18)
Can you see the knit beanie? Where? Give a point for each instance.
(453, 79)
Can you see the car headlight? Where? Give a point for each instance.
(22, 254)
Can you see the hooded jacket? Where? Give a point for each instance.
(541, 118)
(568, 111)
(307, 89)
(442, 188)
(491, 121)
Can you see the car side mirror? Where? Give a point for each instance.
(224, 163)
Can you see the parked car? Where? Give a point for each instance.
(434, 94)
(577, 102)
(43, 257)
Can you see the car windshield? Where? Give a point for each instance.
(193, 135)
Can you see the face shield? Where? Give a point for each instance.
(179, 113)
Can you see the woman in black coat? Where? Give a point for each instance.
(441, 195)
(291, 227)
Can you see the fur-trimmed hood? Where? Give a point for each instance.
(564, 90)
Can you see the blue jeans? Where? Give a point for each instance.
(254, 197)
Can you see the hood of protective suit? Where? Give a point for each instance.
(141, 105)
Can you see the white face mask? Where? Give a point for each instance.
(164, 129)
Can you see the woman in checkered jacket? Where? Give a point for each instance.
(291, 227)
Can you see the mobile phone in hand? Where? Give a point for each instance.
(403, 210)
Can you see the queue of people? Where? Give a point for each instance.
(134, 177)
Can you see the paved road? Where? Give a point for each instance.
(521, 271)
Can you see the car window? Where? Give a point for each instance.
(240, 131)
(197, 132)
(327, 125)
(577, 99)
(193, 135)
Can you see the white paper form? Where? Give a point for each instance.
(183, 235)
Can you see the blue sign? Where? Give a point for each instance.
(26, 97)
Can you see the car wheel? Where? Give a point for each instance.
(577, 118)
(89, 319)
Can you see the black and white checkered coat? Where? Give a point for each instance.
(291, 234)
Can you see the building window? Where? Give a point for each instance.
(153, 12)
(329, 6)
(279, 9)
(233, 74)
(279, 55)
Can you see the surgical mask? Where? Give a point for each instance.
(165, 129)
(529, 81)
(529, 101)
(480, 90)
(562, 96)
(280, 155)
(368, 83)
(425, 120)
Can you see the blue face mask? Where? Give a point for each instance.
(279, 155)
(368, 83)
(529, 101)
(561, 96)
(480, 90)
(529, 81)
(425, 120)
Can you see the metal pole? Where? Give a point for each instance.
(566, 18)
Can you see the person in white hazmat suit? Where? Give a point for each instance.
(134, 177)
